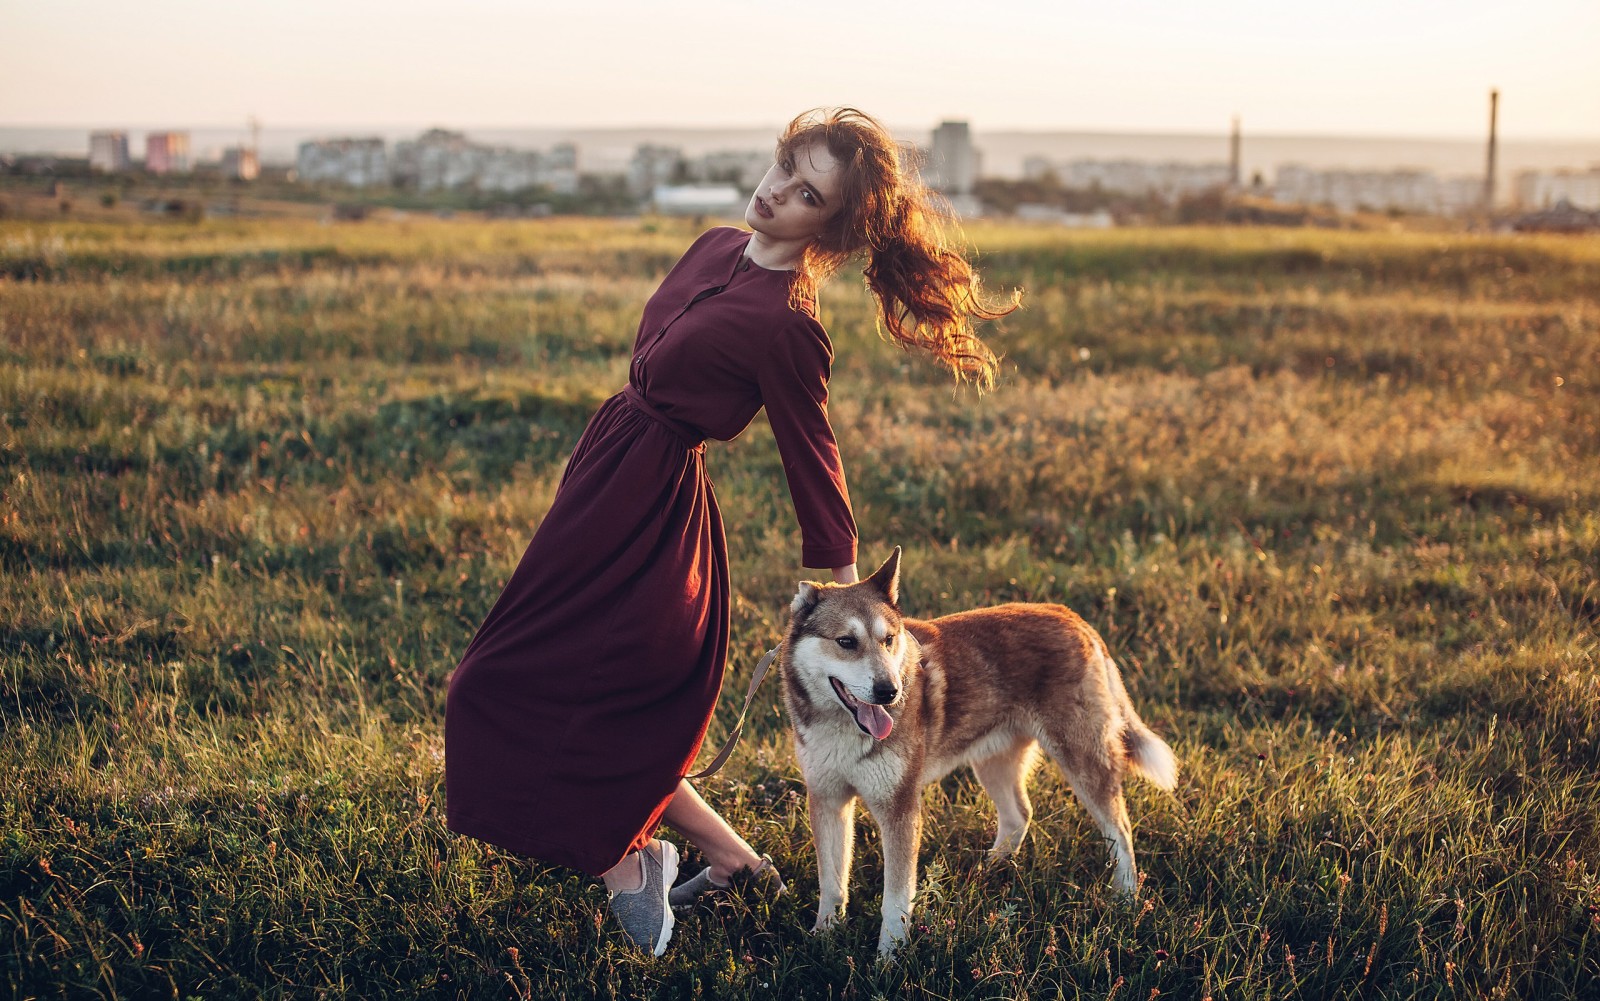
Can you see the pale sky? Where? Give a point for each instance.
(1352, 67)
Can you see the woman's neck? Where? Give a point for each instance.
(775, 255)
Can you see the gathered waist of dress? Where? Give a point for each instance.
(691, 438)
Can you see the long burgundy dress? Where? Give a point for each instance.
(585, 695)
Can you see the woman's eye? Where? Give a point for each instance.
(807, 196)
(847, 642)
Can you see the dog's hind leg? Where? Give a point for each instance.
(1004, 776)
(1098, 785)
(833, 824)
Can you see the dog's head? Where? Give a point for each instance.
(848, 639)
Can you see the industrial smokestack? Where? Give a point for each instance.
(1488, 179)
(1233, 152)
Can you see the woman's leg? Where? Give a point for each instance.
(625, 876)
(694, 818)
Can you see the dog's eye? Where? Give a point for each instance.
(848, 642)
(888, 641)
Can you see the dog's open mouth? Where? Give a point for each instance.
(873, 720)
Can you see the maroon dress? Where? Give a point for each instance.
(585, 695)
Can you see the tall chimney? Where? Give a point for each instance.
(1488, 179)
(1233, 151)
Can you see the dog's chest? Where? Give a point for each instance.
(834, 759)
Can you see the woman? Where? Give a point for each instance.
(581, 703)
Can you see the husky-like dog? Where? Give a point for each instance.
(882, 705)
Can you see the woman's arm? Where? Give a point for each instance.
(845, 575)
(793, 380)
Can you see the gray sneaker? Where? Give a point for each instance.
(643, 913)
(763, 881)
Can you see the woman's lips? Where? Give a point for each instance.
(762, 209)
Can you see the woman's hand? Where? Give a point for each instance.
(845, 575)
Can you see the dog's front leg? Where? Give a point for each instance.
(901, 830)
(833, 824)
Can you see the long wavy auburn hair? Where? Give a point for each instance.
(927, 292)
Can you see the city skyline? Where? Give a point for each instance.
(1408, 68)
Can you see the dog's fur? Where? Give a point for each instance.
(985, 688)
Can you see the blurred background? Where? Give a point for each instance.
(1070, 113)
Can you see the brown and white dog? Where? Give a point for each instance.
(882, 705)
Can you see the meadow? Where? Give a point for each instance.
(1331, 497)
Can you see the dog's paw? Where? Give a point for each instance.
(1006, 844)
(826, 922)
(892, 934)
(887, 945)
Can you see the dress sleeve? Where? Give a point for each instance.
(794, 387)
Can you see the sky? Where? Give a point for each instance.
(1356, 67)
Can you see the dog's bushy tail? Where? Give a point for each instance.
(1150, 755)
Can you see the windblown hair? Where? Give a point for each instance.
(927, 292)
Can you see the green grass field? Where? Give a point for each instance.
(1330, 497)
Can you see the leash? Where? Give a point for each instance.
(738, 728)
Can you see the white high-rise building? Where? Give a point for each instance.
(953, 162)
(108, 151)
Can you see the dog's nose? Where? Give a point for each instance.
(884, 694)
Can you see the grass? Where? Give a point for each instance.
(1331, 498)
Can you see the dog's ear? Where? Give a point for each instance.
(805, 599)
(887, 578)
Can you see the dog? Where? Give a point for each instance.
(881, 705)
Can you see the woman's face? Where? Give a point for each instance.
(797, 197)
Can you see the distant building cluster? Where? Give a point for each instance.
(653, 166)
(357, 163)
(1539, 189)
(1170, 180)
(1378, 190)
(1342, 190)
(164, 153)
(437, 160)
(717, 183)
(720, 182)
(664, 179)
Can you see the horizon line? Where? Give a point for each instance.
(775, 129)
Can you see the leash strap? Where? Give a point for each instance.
(738, 728)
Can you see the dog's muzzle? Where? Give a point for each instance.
(873, 720)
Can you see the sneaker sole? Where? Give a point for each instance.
(669, 874)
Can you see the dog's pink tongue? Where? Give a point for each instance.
(875, 720)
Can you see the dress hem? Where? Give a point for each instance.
(543, 851)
